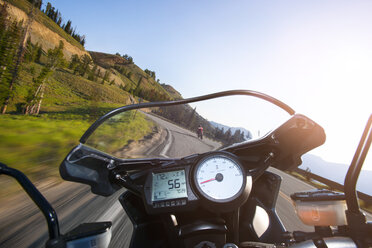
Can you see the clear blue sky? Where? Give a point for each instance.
(314, 55)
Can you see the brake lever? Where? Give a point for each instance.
(126, 182)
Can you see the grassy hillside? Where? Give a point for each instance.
(65, 91)
(171, 91)
(124, 83)
(46, 21)
(37, 144)
(131, 77)
(75, 94)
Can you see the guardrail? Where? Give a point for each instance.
(333, 185)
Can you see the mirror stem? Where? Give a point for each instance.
(355, 168)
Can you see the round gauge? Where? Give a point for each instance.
(219, 177)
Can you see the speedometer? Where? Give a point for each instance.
(219, 177)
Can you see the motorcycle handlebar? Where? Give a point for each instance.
(37, 197)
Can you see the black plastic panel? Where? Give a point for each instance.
(85, 165)
(286, 144)
(171, 205)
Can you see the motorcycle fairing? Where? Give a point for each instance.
(281, 148)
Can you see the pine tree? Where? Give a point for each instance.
(74, 63)
(227, 136)
(38, 4)
(68, 27)
(8, 51)
(129, 75)
(39, 52)
(47, 8)
(86, 61)
(98, 74)
(138, 89)
(36, 93)
(106, 76)
(237, 136)
(92, 73)
(192, 119)
(59, 21)
(33, 52)
(21, 35)
(82, 41)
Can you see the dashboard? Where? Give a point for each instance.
(194, 180)
(216, 181)
(168, 185)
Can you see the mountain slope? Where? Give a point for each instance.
(335, 171)
(173, 93)
(131, 77)
(43, 30)
(106, 79)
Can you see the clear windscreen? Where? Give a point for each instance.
(182, 130)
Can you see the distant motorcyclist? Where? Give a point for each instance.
(200, 132)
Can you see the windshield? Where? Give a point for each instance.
(185, 129)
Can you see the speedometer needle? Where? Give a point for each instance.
(208, 180)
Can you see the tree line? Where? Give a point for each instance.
(56, 16)
(188, 117)
(228, 137)
(34, 97)
(150, 73)
(126, 57)
(11, 33)
(84, 67)
(14, 51)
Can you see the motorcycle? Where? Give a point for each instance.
(217, 192)
(199, 133)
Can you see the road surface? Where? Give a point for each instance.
(23, 226)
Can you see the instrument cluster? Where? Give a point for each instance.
(216, 181)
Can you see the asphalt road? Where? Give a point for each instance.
(284, 207)
(24, 226)
(181, 142)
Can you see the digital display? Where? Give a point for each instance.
(168, 185)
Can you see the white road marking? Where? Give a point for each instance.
(167, 145)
